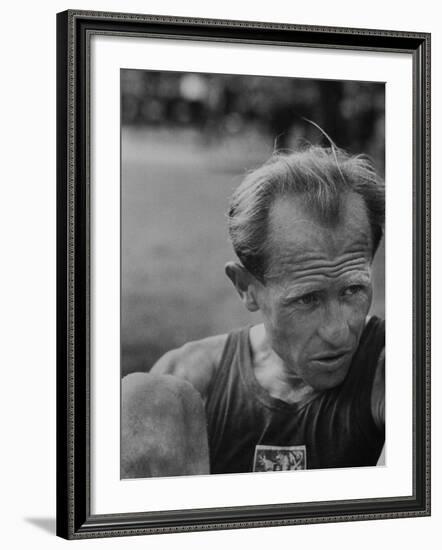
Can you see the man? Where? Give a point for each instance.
(309, 381)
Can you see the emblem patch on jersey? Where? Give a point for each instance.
(271, 458)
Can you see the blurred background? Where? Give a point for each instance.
(187, 140)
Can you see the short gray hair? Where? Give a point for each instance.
(321, 176)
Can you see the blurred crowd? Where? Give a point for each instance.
(222, 106)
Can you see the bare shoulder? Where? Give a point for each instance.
(196, 362)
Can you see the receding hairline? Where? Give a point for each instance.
(319, 177)
(353, 220)
(347, 201)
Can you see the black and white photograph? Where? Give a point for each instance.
(243, 274)
(252, 274)
(222, 257)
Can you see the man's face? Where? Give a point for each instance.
(318, 289)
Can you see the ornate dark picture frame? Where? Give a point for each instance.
(74, 31)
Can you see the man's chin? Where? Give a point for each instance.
(323, 379)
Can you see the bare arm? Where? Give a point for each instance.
(196, 362)
(163, 427)
(378, 399)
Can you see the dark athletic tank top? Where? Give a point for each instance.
(249, 430)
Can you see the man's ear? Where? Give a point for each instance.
(244, 283)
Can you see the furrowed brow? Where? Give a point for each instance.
(300, 290)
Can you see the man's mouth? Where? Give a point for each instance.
(331, 360)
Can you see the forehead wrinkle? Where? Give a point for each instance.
(311, 282)
(331, 270)
(293, 242)
(317, 258)
(319, 271)
(294, 289)
(298, 263)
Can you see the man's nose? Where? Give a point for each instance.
(334, 329)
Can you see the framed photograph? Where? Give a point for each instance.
(243, 274)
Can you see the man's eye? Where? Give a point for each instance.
(353, 289)
(308, 299)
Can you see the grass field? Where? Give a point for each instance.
(175, 191)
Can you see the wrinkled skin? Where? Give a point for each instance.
(317, 291)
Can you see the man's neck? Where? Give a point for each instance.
(271, 372)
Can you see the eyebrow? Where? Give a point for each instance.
(361, 277)
(301, 290)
